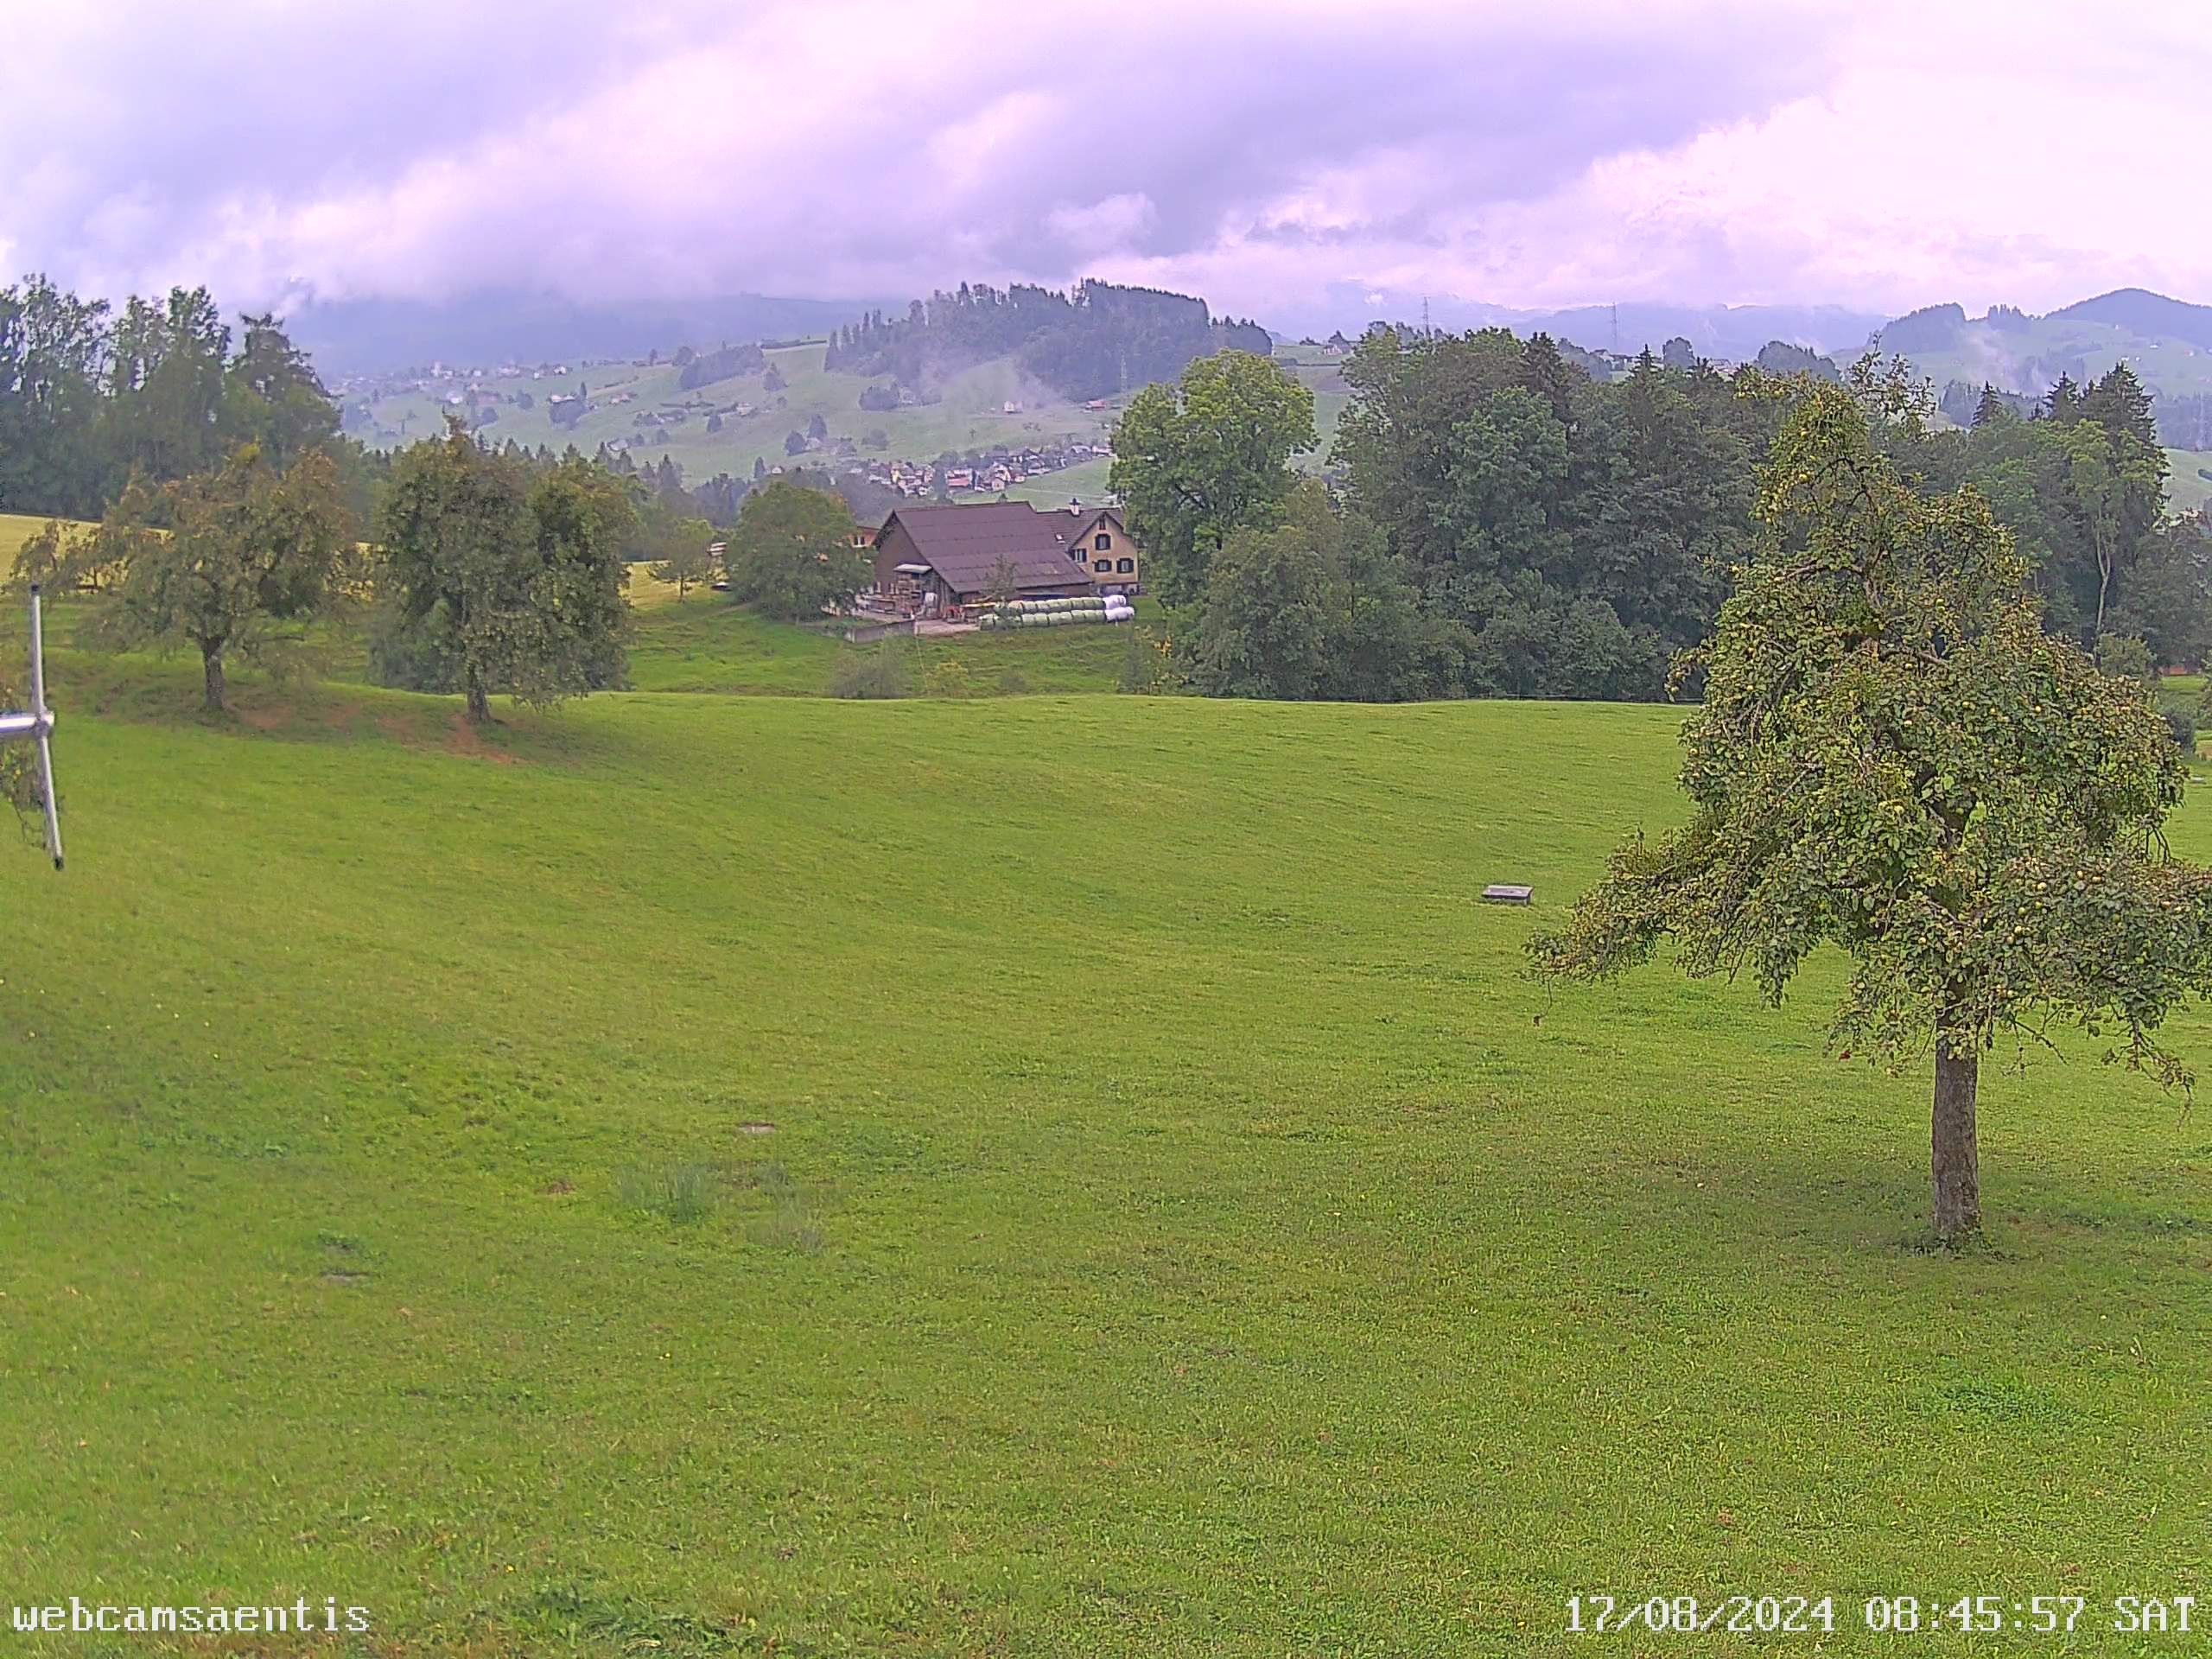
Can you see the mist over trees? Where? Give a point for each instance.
(1096, 341)
(725, 364)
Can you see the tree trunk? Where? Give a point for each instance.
(480, 701)
(1956, 1161)
(211, 659)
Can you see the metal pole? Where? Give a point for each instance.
(42, 719)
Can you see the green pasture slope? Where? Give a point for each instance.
(1029, 1176)
(2189, 486)
(970, 414)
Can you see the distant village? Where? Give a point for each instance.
(988, 472)
(477, 394)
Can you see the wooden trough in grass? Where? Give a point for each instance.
(1505, 893)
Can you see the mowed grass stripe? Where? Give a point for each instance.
(1178, 1232)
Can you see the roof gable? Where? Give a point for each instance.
(1091, 518)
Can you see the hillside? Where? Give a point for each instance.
(15, 528)
(2167, 343)
(644, 409)
(1040, 1175)
(2188, 479)
(1027, 378)
(2141, 312)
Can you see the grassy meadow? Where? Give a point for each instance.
(1085, 482)
(15, 528)
(1031, 1175)
(706, 644)
(2187, 488)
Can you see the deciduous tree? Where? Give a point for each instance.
(515, 584)
(1210, 454)
(1317, 607)
(244, 557)
(675, 544)
(789, 553)
(1893, 756)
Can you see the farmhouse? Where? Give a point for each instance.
(938, 558)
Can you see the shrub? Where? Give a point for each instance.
(1014, 683)
(408, 655)
(1147, 664)
(949, 679)
(879, 674)
(2182, 724)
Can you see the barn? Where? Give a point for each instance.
(935, 559)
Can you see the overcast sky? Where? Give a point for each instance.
(1882, 154)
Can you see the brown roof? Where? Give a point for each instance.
(964, 544)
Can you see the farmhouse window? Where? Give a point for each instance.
(1125, 566)
(1102, 566)
(1104, 542)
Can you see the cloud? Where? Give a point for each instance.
(1882, 154)
(1111, 223)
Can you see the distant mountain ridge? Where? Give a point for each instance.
(1731, 334)
(2145, 313)
(2165, 342)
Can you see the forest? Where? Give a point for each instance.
(91, 396)
(1501, 524)
(1098, 340)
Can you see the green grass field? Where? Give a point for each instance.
(15, 528)
(705, 644)
(1024, 1176)
(1085, 483)
(2187, 488)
